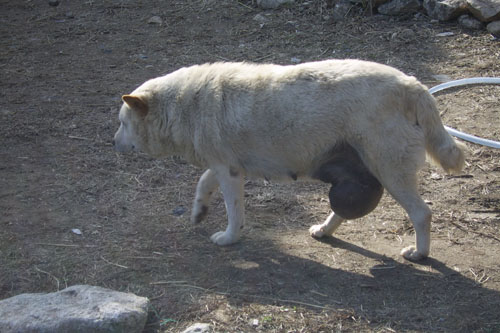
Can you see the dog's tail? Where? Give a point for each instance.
(440, 146)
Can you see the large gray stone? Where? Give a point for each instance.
(485, 10)
(494, 28)
(399, 7)
(445, 10)
(75, 309)
(470, 22)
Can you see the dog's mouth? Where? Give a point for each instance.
(123, 148)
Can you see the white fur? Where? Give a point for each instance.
(281, 123)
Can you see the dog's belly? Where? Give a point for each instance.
(355, 192)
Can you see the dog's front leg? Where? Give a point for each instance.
(231, 184)
(206, 186)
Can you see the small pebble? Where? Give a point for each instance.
(178, 211)
(77, 231)
(260, 18)
(445, 34)
(54, 3)
(442, 77)
(155, 20)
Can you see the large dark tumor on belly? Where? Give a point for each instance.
(355, 192)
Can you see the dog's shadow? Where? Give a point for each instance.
(426, 296)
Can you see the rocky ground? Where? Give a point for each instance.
(72, 211)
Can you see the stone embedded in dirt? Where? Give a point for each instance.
(445, 10)
(198, 328)
(445, 34)
(404, 34)
(442, 77)
(399, 7)
(54, 3)
(470, 22)
(485, 10)
(494, 28)
(260, 18)
(273, 4)
(79, 308)
(179, 210)
(155, 20)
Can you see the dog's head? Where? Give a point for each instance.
(152, 121)
(133, 132)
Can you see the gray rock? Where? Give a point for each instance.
(260, 18)
(75, 309)
(198, 328)
(470, 22)
(445, 10)
(442, 78)
(485, 10)
(155, 20)
(494, 28)
(273, 4)
(399, 7)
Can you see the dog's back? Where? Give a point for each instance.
(276, 120)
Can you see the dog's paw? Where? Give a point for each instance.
(317, 231)
(224, 238)
(412, 254)
(198, 214)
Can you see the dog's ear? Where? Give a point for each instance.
(137, 104)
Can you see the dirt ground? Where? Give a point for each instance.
(62, 72)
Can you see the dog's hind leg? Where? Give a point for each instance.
(328, 227)
(206, 186)
(231, 183)
(395, 154)
(404, 189)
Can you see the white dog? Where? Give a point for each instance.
(358, 125)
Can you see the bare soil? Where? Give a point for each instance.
(62, 72)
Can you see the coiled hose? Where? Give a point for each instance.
(463, 82)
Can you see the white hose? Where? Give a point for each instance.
(463, 82)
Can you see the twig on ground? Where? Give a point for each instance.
(475, 232)
(49, 274)
(78, 138)
(112, 263)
